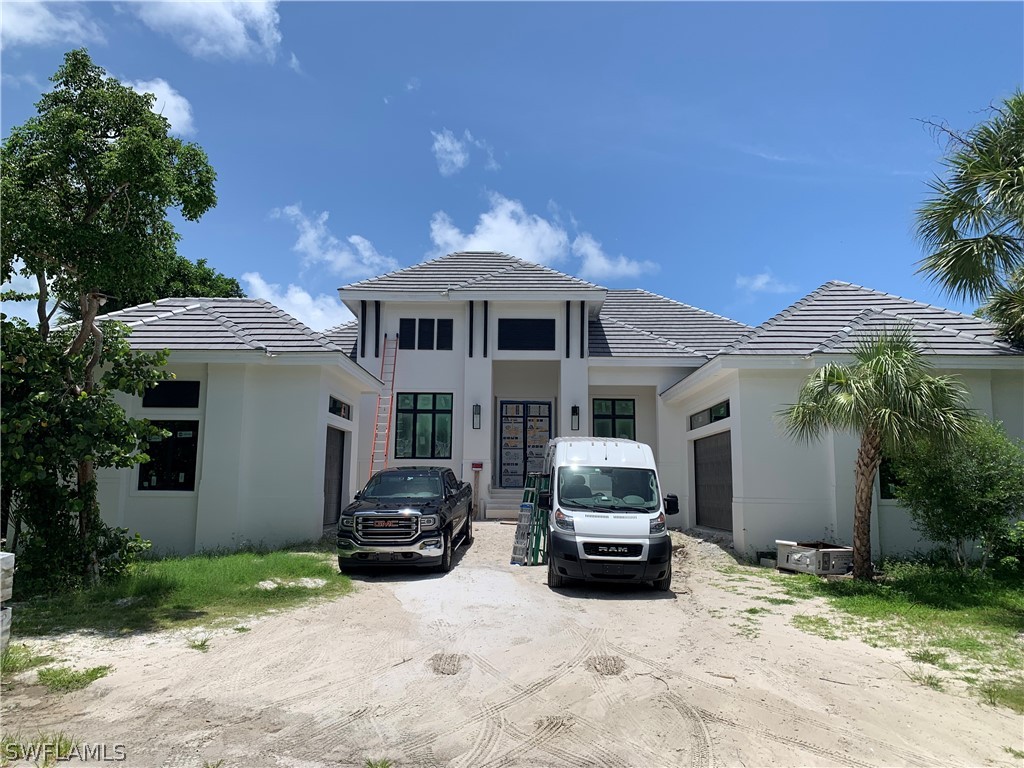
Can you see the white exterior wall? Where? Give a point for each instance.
(260, 459)
(783, 489)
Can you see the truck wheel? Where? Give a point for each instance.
(469, 528)
(555, 579)
(662, 585)
(446, 558)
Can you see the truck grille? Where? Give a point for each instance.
(596, 549)
(387, 528)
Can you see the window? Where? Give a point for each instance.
(172, 394)
(445, 332)
(339, 408)
(710, 415)
(615, 418)
(172, 459)
(526, 334)
(420, 334)
(423, 426)
(407, 333)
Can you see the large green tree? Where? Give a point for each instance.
(85, 189)
(973, 225)
(888, 398)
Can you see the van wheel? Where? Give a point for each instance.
(555, 579)
(663, 585)
(446, 557)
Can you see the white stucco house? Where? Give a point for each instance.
(474, 360)
(262, 415)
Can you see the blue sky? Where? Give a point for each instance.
(732, 156)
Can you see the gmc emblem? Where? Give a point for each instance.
(384, 523)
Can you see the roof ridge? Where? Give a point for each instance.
(865, 314)
(688, 306)
(301, 326)
(173, 310)
(844, 333)
(339, 326)
(243, 335)
(909, 301)
(503, 270)
(774, 319)
(671, 343)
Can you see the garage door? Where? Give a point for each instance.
(712, 477)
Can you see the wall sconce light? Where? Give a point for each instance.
(476, 417)
(575, 418)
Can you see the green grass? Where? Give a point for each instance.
(1017, 753)
(1008, 693)
(18, 658)
(821, 626)
(65, 679)
(176, 592)
(927, 656)
(383, 763)
(199, 644)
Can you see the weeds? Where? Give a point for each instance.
(18, 658)
(1017, 753)
(924, 678)
(243, 629)
(818, 625)
(65, 679)
(927, 656)
(382, 763)
(44, 750)
(201, 644)
(1003, 694)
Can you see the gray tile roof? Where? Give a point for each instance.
(345, 336)
(221, 325)
(835, 316)
(474, 271)
(637, 323)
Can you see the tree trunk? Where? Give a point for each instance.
(869, 456)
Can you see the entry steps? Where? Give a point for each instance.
(504, 504)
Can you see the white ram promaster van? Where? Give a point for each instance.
(607, 515)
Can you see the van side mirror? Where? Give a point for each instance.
(672, 504)
(544, 499)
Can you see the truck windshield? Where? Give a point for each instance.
(608, 489)
(395, 485)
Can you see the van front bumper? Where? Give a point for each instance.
(564, 553)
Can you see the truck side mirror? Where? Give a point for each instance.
(358, 496)
(544, 499)
(672, 504)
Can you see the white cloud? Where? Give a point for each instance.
(38, 23)
(412, 84)
(505, 227)
(450, 153)
(763, 282)
(354, 258)
(597, 265)
(16, 81)
(27, 310)
(234, 29)
(319, 312)
(294, 65)
(169, 103)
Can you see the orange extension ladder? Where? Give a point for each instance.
(385, 406)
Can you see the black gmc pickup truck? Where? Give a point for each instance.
(407, 516)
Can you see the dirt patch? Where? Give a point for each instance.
(446, 663)
(486, 666)
(606, 665)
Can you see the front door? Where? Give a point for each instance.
(712, 481)
(524, 434)
(334, 476)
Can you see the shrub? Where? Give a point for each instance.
(970, 491)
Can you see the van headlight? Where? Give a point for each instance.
(428, 522)
(564, 521)
(658, 523)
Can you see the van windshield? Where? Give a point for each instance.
(608, 489)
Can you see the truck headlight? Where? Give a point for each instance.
(428, 522)
(564, 521)
(348, 522)
(658, 523)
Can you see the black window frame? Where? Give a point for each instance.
(717, 412)
(445, 334)
(175, 393)
(527, 334)
(407, 333)
(614, 417)
(169, 450)
(343, 410)
(425, 328)
(417, 410)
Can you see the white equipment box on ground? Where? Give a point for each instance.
(817, 557)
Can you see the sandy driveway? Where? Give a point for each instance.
(488, 667)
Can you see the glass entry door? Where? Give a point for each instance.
(525, 431)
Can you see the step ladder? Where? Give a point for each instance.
(385, 406)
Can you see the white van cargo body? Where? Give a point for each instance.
(607, 514)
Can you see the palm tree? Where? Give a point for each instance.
(973, 226)
(887, 397)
